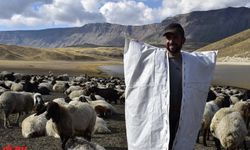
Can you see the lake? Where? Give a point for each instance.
(225, 74)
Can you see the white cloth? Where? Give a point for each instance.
(147, 96)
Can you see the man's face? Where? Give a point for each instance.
(174, 42)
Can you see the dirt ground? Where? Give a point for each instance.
(114, 141)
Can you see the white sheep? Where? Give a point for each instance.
(51, 130)
(102, 108)
(81, 144)
(76, 93)
(72, 88)
(101, 126)
(17, 102)
(16, 87)
(60, 87)
(228, 125)
(34, 126)
(211, 108)
(84, 118)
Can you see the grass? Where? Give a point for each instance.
(70, 59)
(237, 45)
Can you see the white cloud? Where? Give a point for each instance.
(66, 11)
(58, 13)
(171, 8)
(128, 12)
(91, 5)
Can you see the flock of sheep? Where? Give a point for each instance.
(226, 116)
(73, 118)
(87, 101)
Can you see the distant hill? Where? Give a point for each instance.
(11, 52)
(202, 28)
(237, 45)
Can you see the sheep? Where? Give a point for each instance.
(211, 108)
(72, 88)
(77, 93)
(60, 87)
(17, 102)
(16, 86)
(108, 94)
(229, 125)
(29, 86)
(46, 84)
(62, 120)
(102, 108)
(34, 126)
(81, 144)
(101, 126)
(2, 90)
(50, 129)
(83, 117)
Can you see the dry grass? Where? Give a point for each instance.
(70, 59)
(11, 52)
(237, 45)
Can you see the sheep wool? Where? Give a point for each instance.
(231, 130)
(34, 126)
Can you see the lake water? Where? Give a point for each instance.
(231, 75)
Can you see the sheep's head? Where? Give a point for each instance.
(53, 111)
(244, 108)
(38, 102)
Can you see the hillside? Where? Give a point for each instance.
(202, 28)
(233, 48)
(11, 52)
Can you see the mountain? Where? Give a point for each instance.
(202, 28)
(237, 45)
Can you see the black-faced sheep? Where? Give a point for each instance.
(108, 94)
(83, 117)
(62, 119)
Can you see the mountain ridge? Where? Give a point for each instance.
(201, 28)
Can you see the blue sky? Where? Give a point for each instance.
(42, 14)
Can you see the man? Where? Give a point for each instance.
(165, 93)
(175, 38)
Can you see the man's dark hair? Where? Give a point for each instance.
(174, 28)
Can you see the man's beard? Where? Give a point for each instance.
(174, 48)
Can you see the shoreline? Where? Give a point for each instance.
(232, 63)
(57, 67)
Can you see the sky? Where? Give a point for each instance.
(42, 14)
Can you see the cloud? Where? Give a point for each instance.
(128, 13)
(66, 11)
(91, 5)
(10, 8)
(171, 8)
(20, 14)
(49, 13)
